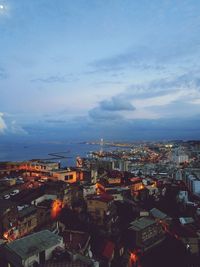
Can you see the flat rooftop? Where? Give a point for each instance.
(32, 244)
(141, 223)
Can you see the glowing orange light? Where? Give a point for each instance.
(99, 188)
(5, 235)
(134, 259)
(56, 208)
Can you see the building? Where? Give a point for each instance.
(57, 188)
(27, 220)
(101, 208)
(74, 193)
(77, 242)
(161, 218)
(136, 187)
(31, 168)
(9, 168)
(8, 219)
(44, 212)
(193, 183)
(32, 250)
(144, 233)
(89, 190)
(43, 166)
(179, 155)
(118, 193)
(69, 175)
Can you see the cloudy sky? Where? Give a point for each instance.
(117, 69)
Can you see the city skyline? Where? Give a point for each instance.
(91, 69)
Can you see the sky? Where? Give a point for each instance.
(89, 69)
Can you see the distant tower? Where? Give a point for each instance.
(101, 146)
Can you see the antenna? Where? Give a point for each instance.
(101, 146)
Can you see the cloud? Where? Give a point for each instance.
(196, 101)
(136, 57)
(9, 126)
(116, 104)
(56, 79)
(4, 10)
(178, 109)
(112, 126)
(161, 87)
(189, 82)
(3, 125)
(16, 129)
(55, 121)
(159, 98)
(154, 56)
(162, 100)
(104, 115)
(111, 109)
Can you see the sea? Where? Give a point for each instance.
(43, 151)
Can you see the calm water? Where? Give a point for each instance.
(20, 152)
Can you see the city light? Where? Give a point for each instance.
(56, 208)
(5, 235)
(134, 259)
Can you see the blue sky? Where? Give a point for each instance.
(118, 69)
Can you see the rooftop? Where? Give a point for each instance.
(27, 211)
(102, 197)
(32, 244)
(75, 240)
(47, 203)
(156, 213)
(141, 223)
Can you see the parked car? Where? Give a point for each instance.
(6, 196)
(14, 192)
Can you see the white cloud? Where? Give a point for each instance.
(160, 100)
(3, 125)
(195, 101)
(10, 126)
(141, 113)
(16, 128)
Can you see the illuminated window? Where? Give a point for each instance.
(68, 177)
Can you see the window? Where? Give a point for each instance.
(69, 177)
